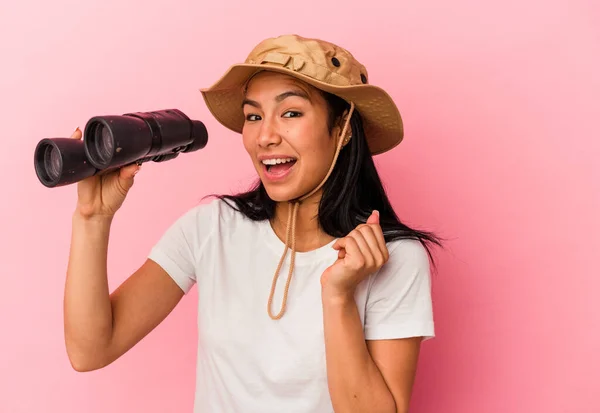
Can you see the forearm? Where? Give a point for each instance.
(355, 382)
(87, 306)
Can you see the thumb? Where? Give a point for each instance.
(77, 134)
(126, 175)
(374, 218)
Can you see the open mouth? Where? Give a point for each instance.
(278, 167)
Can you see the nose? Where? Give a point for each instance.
(268, 134)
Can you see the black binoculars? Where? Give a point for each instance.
(111, 142)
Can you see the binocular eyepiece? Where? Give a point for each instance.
(110, 142)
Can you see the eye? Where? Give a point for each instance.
(252, 117)
(293, 114)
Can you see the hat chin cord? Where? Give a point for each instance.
(290, 235)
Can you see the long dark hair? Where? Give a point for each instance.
(353, 190)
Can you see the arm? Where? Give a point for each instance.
(397, 360)
(372, 369)
(100, 327)
(355, 382)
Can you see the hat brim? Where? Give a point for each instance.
(382, 121)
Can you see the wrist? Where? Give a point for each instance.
(80, 216)
(334, 295)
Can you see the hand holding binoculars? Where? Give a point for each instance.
(113, 141)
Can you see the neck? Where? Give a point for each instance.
(309, 235)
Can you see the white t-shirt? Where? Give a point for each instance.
(247, 362)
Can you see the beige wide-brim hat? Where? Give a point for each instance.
(321, 64)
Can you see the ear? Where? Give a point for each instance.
(340, 127)
(342, 119)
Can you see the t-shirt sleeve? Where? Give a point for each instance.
(179, 248)
(399, 302)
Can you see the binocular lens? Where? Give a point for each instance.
(53, 162)
(61, 161)
(50, 161)
(102, 143)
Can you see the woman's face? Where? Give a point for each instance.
(286, 134)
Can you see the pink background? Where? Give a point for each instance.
(501, 104)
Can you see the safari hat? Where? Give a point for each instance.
(321, 64)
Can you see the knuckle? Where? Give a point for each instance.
(386, 253)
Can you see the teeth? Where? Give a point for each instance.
(277, 161)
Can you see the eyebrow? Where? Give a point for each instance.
(279, 98)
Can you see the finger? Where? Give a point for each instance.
(378, 233)
(77, 134)
(374, 218)
(129, 171)
(126, 175)
(369, 234)
(353, 253)
(382, 244)
(374, 222)
(378, 249)
(363, 246)
(347, 244)
(337, 245)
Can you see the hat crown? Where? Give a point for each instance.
(318, 59)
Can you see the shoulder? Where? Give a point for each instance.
(399, 302)
(214, 216)
(407, 254)
(408, 266)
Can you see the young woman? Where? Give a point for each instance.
(312, 295)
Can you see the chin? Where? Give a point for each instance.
(281, 193)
